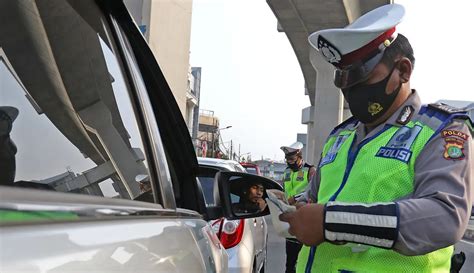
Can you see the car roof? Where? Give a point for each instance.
(217, 162)
(248, 164)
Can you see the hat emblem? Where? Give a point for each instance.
(374, 108)
(328, 51)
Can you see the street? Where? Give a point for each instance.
(466, 247)
(276, 250)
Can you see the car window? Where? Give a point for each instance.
(251, 170)
(72, 128)
(206, 179)
(207, 185)
(234, 198)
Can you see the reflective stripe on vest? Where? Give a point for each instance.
(295, 182)
(368, 177)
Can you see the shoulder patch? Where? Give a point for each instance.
(454, 134)
(453, 151)
(446, 108)
(454, 144)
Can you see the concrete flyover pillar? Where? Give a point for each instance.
(307, 117)
(328, 106)
(98, 119)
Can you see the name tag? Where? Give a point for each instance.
(399, 154)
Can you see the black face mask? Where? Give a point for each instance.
(293, 166)
(370, 102)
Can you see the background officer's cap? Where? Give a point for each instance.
(292, 149)
(8, 114)
(12, 112)
(356, 49)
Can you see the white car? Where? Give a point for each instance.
(87, 123)
(244, 239)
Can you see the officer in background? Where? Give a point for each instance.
(394, 183)
(8, 148)
(295, 180)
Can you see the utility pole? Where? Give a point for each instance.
(231, 155)
(239, 152)
(214, 132)
(212, 146)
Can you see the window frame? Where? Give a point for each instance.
(177, 143)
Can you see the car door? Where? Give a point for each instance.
(83, 139)
(178, 148)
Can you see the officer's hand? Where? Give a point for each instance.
(279, 194)
(306, 223)
(291, 201)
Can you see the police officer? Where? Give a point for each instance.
(393, 186)
(295, 181)
(8, 149)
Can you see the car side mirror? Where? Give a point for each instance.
(242, 195)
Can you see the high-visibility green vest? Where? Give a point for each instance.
(295, 182)
(381, 169)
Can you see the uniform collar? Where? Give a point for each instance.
(406, 111)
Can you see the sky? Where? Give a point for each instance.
(252, 81)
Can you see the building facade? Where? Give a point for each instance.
(271, 169)
(166, 26)
(207, 141)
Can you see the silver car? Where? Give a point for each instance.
(244, 239)
(87, 123)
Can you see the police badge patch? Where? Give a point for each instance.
(329, 51)
(454, 144)
(405, 115)
(400, 145)
(453, 150)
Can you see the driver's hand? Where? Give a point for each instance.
(261, 203)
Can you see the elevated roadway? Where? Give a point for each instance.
(298, 19)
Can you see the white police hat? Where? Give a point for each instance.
(357, 48)
(293, 148)
(12, 112)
